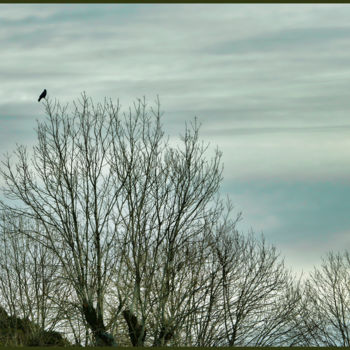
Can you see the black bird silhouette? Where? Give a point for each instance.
(43, 95)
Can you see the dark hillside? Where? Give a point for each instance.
(15, 331)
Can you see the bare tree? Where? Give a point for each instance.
(326, 316)
(109, 193)
(139, 235)
(69, 186)
(29, 288)
(251, 299)
(170, 199)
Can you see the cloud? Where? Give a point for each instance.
(268, 82)
(304, 39)
(303, 256)
(303, 220)
(269, 73)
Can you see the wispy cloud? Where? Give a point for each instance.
(268, 82)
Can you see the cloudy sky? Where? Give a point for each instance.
(269, 83)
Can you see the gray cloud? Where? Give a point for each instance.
(268, 82)
(312, 38)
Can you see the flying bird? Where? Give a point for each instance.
(43, 95)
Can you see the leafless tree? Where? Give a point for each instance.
(326, 314)
(170, 200)
(120, 210)
(69, 186)
(251, 299)
(139, 237)
(29, 288)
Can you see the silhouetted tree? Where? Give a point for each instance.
(326, 313)
(108, 192)
(142, 239)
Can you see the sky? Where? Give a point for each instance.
(268, 82)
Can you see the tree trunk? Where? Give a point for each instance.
(164, 336)
(102, 337)
(137, 332)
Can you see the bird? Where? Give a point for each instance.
(43, 95)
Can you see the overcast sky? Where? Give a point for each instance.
(269, 83)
